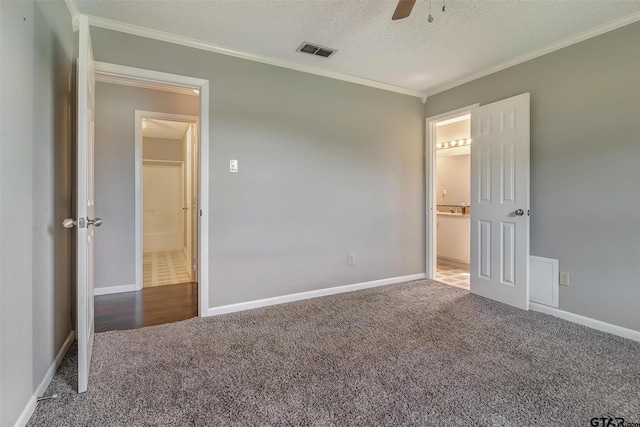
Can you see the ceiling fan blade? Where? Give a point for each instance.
(403, 9)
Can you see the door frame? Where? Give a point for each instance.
(431, 219)
(139, 115)
(202, 85)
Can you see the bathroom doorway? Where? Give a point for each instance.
(169, 188)
(451, 188)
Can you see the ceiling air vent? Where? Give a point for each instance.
(314, 49)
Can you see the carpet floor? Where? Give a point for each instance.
(417, 353)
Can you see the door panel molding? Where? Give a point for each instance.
(501, 159)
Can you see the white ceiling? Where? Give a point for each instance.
(469, 39)
(153, 128)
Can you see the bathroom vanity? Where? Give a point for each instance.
(454, 235)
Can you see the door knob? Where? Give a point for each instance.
(519, 212)
(96, 222)
(68, 223)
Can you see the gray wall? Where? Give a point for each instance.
(115, 175)
(585, 158)
(163, 148)
(326, 168)
(35, 190)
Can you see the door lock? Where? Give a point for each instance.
(96, 222)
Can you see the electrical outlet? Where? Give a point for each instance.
(233, 166)
(352, 259)
(564, 278)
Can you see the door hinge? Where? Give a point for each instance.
(200, 212)
(82, 223)
(528, 212)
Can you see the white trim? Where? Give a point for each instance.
(310, 294)
(540, 52)
(203, 201)
(587, 321)
(145, 84)
(73, 10)
(104, 69)
(29, 409)
(197, 44)
(203, 168)
(114, 289)
(139, 115)
(430, 185)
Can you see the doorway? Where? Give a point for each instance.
(168, 202)
(499, 202)
(448, 224)
(453, 196)
(181, 162)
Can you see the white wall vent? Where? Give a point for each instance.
(543, 280)
(314, 49)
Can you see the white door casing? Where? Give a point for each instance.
(431, 236)
(85, 202)
(500, 201)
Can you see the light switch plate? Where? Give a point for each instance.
(564, 278)
(233, 166)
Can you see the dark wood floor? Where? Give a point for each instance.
(148, 307)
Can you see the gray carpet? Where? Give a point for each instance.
(417, 353)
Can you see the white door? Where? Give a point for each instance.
(162, 205)
(193, 207)
(188, 229)
(500, 201)
(85, 203)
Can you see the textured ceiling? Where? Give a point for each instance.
(471, 37)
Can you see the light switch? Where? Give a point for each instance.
(233, 166)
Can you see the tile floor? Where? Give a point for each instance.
(452, 275)
(164, 268)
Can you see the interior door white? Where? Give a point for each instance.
(188, 218)
(162, 203)
(500, 201)
(85, 222)
(195, 211)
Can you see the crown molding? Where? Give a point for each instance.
(73, 10)
(197, 44)
(610, 26)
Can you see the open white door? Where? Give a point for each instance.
(194, 211)
(86, 221)
(500, 201)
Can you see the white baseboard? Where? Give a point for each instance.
(310, 294)
(587, 321)
(27, 412)
(115, 289)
